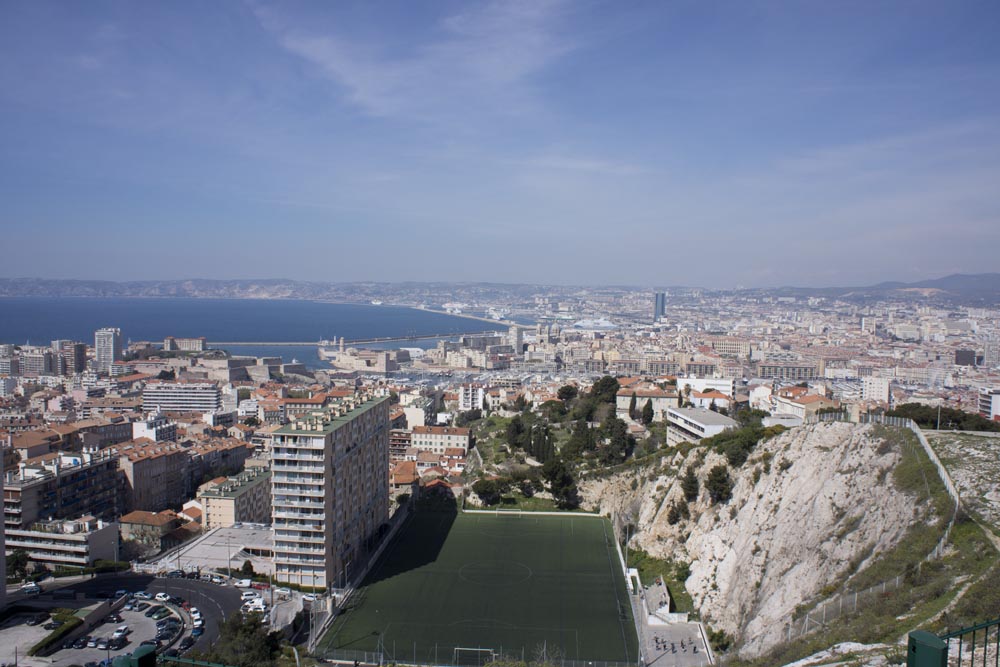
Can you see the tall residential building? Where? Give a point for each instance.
(659, 306)
(181, 397)
(991, 353)
(107, 348)
(330, 491)
(73, 356)
(515, 338)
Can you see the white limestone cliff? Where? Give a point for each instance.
(808, 506)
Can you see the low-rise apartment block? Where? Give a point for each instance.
(66, 543)
(242, 498)
(437, 439)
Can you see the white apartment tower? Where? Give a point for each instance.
(107, 348)
(329, 491)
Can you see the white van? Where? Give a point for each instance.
(242, 583)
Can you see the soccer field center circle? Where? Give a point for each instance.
(498, 573)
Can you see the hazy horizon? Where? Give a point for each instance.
(551, 142)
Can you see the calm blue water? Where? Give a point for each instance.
(41, 320)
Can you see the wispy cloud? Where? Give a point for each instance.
(481, 58)
(583, 164)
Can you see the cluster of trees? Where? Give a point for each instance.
(561, 484)
(467, 417)
(951, 419)
(645, 415)
(17, 564)
(244, 641)
(535, 439)
(555, 473)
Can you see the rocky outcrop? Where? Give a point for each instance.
(808, 507)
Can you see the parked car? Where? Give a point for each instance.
(186, 643)
(217, 580)
(142, 606)
(92, 642)
(81, 642)
(153, 610)
(206, 577)
(102, 644)
(117, 643)
(308, 597)
(191, 575)
(283, 591)
(121, 631)
(197, 632)
(113, 618)
(195, 613)
(249, 595)
(120, 593)
(163, 597)
(52, 625)
(36, 619)
(175, 574)
(143, 595)
(171, 653)
(149, 642)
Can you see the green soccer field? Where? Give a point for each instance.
(518, 585)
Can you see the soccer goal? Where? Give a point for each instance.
(473, 656)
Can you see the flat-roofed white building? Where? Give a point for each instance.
(181, 397)
(693, 424)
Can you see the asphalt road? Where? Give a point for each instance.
(214, 601)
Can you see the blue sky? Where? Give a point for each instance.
(649, 143)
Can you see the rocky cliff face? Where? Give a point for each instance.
(808, 507)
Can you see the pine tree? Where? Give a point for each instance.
(632, 407)
(647, 412)
(689, 485)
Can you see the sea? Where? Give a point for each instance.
(250, 322)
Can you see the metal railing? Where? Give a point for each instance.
(974, 645)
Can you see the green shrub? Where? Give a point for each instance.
(55, 637)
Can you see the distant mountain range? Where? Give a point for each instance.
(983, 289)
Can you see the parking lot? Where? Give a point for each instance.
(15, 632)
(141, 628)
(214, 603)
